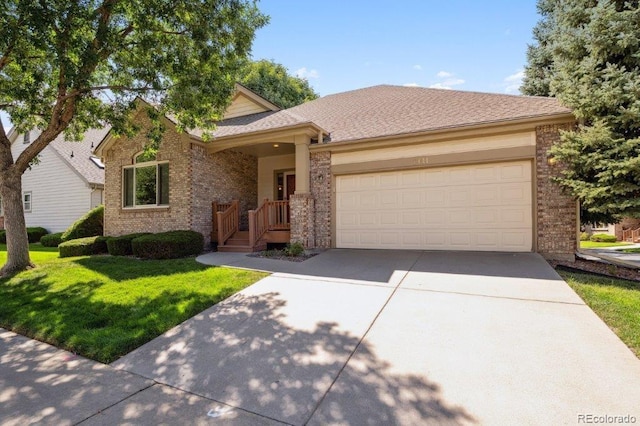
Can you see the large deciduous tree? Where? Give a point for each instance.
(66, 66)
(588, 55)
(272, 81)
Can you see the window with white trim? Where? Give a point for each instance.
(27, 200)
(146, 183)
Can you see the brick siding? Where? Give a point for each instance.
(556, 212)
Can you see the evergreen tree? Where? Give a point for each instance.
(594, 68)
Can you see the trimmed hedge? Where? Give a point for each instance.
(83, 246)
(89, 225)
(121, 246)
(584, 236)
(168, 245)
(603, 238)
(51, 240)
(33, 234)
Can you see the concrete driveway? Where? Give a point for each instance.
(380, 337)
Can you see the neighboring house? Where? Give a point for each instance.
(66, 182)
(384, 167)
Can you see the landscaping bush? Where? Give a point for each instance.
(121, 246)
(51, 240)
(34, 234)
(89, 225)
(584, 236)
(168, 245)
(83, 246)
(294, 249)
(603, 238)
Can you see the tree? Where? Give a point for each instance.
(272, 81)
(587, 56)
(66, 66)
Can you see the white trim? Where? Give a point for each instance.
(133, 167)
(24, 202)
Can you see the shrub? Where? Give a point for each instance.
(604, 238)
(121, 246)
(294, 249)
(51, 240)
(584, 236)
(33, 234)
(83, 246)
(89, 225)
(168, 245)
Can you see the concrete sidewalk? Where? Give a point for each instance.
(353, 337)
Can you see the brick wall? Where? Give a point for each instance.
(195, 180)
(321, 192)
(302, 208)
(556, 212)
(174, 148)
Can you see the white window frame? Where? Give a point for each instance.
(134, 166)
(24, 201)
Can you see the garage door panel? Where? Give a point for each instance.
(476, 207)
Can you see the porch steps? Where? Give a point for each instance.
(239, 243)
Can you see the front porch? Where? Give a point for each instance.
(269, 223)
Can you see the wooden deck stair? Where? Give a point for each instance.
(631, 235)
(239, 243)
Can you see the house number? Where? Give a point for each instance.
(422, 160)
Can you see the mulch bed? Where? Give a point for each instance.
(281, 255)
(600, 268)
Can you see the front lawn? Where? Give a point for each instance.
(593, 244)
(102, 307)
(631, 250)
(616, 301)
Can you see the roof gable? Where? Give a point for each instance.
(246, 102)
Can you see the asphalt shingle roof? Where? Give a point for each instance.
(82, 153)
(394, 110)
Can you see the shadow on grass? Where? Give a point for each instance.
(598, 279)
(73, 319)
(120, 268)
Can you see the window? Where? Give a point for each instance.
(146, 183)
(26, 138)
(27, 201)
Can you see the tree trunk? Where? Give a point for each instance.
(17, 241)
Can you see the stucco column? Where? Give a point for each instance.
(302, 164)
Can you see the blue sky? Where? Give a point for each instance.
(350, 44)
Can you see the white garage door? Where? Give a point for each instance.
(479, 207)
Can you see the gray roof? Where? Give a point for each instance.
(82, 153)
(394, 110)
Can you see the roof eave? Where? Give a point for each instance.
(500, 126)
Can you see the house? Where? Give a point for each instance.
(380, 167)
(65, 183)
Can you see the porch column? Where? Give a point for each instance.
(302, 164)
(302, 204)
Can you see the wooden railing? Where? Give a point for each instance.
(228, 222)
(270, 216)
(632, 235)
(215, 208)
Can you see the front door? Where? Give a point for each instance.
(290, 186)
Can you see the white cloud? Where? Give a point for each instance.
(307, 74)
(444, 74)
(447, 83)
(513, 82)
(411, 85)
(417, 67)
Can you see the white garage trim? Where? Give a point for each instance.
(485, 207)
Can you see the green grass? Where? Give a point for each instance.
(593, 244)
(631, 250)
(102, 307)
(616, 301)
